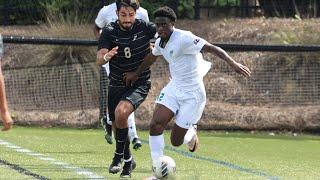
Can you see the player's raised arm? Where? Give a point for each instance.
(239, 68)
(131, 77)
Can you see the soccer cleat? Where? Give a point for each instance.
(136, 143)
(107, 130)
(126, 170)
(115, 166)
(108, 138)
(133, 164)
(193, 145)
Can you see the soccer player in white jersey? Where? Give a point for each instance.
(4, 111)
(105, 16)
(184, 96)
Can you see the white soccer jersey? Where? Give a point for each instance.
(108, 14)
(186, 63)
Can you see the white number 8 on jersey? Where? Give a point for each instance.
(127, 52)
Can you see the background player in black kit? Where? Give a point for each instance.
(124, 44)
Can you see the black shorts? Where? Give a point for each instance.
(135, 95)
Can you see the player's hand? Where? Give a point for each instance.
(112, 52)
(104, 55)
(101, 53)
(241, 69)
(130, 78)
(7, 121)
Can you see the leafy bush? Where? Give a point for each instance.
(78, 10)
(185, 9)
(35, 11)
(20, 12)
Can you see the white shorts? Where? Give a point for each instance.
(187, 106)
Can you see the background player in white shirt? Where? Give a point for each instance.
(4, 111)
(105, 16)
(184, 96)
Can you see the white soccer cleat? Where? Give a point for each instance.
(193, 144)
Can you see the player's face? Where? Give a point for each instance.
(164, 27)
(126, 17)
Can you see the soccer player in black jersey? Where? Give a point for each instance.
(124, 44)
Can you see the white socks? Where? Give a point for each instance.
(156, 144)
(190, 133)
(132, 127)
(108, 120)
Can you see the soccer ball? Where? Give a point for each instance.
(164, 168)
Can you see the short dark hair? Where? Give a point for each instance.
(128, 3)
(165, 11)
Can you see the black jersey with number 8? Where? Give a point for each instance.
(133, 47)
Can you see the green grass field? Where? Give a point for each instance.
(54, 153)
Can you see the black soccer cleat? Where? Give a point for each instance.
(115, 166)
(126, 170)
(136, 143)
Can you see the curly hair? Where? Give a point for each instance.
(165, 11)
(127, 3)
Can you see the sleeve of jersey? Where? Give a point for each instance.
(104, 40)
(100, 20)
(192, 44)
(156, 49)
(146, 16)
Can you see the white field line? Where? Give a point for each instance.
(77, 170)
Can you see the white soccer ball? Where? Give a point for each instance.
(164, 168)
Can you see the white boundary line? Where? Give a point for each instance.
(77, 170)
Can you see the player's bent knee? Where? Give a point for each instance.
(121, 117)
(176, 142)
(156, 128)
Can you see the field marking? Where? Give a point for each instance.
(22, 170)
(77, 170)
(219, 162)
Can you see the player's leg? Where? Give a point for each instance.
(190, 112)
(161, 117)
(121, 113)
(114, 97)
(4, 112)
(103, 115)
(166, 107)
(136, 143)
(134, 96)
(129, 163)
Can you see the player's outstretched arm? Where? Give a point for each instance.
(239, 68)
(104, 55)
(131, 77)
